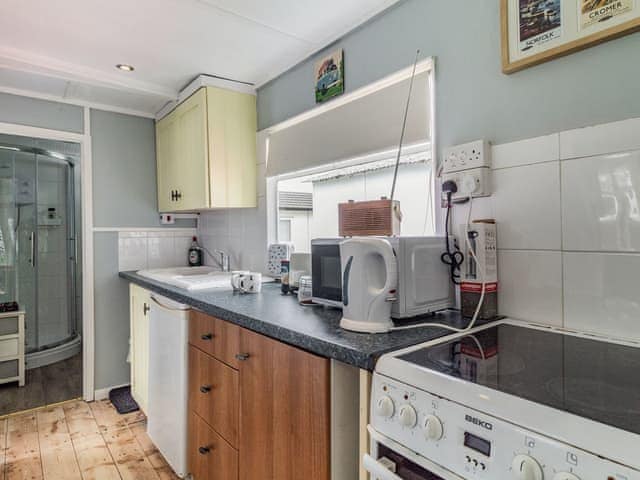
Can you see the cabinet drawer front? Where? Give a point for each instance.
(216, 337)
(9, 325)
(201, 331)
(214, 394)
(210, 457)
(9, 348)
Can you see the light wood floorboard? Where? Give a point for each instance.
(79, 441)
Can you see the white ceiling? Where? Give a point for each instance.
(68, 48)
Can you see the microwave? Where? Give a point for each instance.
(424, 285)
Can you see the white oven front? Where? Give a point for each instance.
(389, 460)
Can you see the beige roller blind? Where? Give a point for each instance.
(365, 125)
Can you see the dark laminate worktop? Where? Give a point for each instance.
(315, 329)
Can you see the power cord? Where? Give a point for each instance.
(451, 258)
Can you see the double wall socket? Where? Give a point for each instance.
(469, 166)
(465, 157)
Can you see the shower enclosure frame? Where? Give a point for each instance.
(71, 236)
(86, 253)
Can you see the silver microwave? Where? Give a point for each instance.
(423, 280)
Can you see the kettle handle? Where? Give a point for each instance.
(385, 250)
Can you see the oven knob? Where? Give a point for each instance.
(432, 427)
(525, 467)
(408, 416)
(385, 407)
(565, 476)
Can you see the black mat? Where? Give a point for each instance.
(123, 401)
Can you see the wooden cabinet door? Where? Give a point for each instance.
(140, 300)
(191, 160)
(284, 412)
(232, 148)
(213, 393)
(210, 457)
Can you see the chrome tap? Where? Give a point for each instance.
(223, 261)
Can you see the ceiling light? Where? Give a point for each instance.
(125, 67)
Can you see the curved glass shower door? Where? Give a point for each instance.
(37, 224)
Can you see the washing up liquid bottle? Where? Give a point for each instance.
(195, 254)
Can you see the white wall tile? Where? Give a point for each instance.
(601, 203)
(132, 253)
(161, 251)
(526, 152)
(601, 293)
(601, 139)
(531, 286)
(526, 205)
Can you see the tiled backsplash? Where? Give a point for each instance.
(568, 213)
(153, 249)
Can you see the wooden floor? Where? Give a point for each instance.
(79, 440)
(46, 385)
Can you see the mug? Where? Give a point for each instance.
(249, 282)
(235, 278)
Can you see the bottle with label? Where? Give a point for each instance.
(284, 278)
(195, 254)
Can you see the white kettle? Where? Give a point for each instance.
(369, 284)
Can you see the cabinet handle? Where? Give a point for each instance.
(178, 194)
(242, 356)
(145, 309)
(204, 450)
(206, 336)
(173, 195)
(205, 388)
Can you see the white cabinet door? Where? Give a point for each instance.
(140, 300)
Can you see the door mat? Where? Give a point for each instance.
(122, 400)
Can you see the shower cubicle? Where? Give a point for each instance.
(39, 243)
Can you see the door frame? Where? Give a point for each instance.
(88, 319)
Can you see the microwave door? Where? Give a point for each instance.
(326, 273)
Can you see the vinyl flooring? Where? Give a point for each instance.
(46, 385)
(77, 440)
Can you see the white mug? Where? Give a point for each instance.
(249, 282)
(235, 278)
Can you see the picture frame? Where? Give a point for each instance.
(329, 76)
(537, 31)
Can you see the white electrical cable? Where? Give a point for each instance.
(482, 278)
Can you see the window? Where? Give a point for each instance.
(346, 150)
(308, 202)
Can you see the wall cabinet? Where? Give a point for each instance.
(206, 152)
(139, 304)
(261, 404)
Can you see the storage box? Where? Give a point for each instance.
(482, 236)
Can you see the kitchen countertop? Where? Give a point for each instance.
(312, 328)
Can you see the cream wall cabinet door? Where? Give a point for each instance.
(140, 300)
(206, 152)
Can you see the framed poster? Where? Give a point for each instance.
(329, 76)
(536, 31)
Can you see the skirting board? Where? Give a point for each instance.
(103, 393)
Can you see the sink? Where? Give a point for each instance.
(193, 278)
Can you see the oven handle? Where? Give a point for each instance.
(379, 471)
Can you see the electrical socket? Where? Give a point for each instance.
(167, 219)
(467, 156)
(475, 182)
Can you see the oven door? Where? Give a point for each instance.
(326, 272)
(408, 465)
